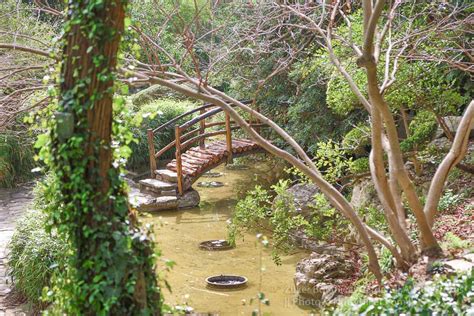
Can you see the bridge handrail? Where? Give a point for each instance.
(177, 118)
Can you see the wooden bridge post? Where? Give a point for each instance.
(228, 137)
(151, 151)
(179, 164)
(202, 130)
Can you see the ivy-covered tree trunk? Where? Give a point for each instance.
(111, 270)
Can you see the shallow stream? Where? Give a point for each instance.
(180, 232)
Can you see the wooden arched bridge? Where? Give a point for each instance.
(200, 144)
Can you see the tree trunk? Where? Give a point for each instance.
(111, 272)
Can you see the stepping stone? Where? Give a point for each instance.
(459, 265)
(156, 186)
(166, 175)
(147, 203)
(469, 257)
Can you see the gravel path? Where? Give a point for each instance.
(13, 203)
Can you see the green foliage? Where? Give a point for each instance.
(173, 21)
(451, 241)
(385, 260)
(16, 159)
(357, 139)
(34, 253)
(422, 129)
(449, 200)
(152, 115)
(360, 165)
(443, 296)
(345, 307)
(424, 86)
(250, 212)
(340, 97)
(374, 217)
(332, 160)
(275, 211)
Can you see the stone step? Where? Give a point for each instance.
(157, 204)
(146, 202)
(166, 175)
(158, 187)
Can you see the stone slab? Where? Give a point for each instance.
(156, 186)
(166, 175)
(459, 265)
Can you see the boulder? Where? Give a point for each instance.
(317, 277)
(303, 197)
(459, 265)
(363, 194)
(452, 123)
(190, 198)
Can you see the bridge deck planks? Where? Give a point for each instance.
(196, 161)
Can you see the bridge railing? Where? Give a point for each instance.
(184, 137)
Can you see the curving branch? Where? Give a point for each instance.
(455, 155)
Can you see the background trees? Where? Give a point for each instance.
(368, 54)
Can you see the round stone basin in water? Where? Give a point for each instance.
(211, 184)
(215, 245)
(226, 281)
(211, 174)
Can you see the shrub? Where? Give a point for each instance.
(451, 241)
(422, 128)
(443, 296)
(34, 255)
(449, 200)
(360, 165)
(357, 139)
(259, 211)
(16, 159)
(152, 115)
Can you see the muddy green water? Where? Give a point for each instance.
(180, 232)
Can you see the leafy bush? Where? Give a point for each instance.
(443, 296)
(34, 255)
(360, 165)
(16, 159)
(449, 200)
(259, 211)
(152, 115)
(451, 241)
(357, 139)
(422, 128)
(331, 160)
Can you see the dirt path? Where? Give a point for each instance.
(13, 203)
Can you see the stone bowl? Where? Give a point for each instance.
(215, 245)
(226, 281)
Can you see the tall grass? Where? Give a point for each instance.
(34, 254)
(16, 158)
